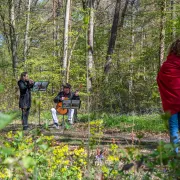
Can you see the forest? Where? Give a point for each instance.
(111, 51)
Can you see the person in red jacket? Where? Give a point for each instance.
(168, 80)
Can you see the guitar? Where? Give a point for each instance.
(59, 108)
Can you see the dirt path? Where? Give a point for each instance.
(79, 133)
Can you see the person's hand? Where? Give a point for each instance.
(76, 93)
(31, 81)
(62, 98)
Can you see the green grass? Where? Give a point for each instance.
(148, 123)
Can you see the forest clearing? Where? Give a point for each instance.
(89, 89)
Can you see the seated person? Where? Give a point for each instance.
(65, 94)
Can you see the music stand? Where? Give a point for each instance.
(70, 104)
(37, 87)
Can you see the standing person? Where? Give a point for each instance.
(25, 84)
(168, 80)
(66, 93)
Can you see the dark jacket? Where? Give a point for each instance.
(25, 94)
(61, 94)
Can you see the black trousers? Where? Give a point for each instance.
(25, 114)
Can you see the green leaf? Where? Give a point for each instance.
(7, 151)
(1, 88)
(86, 19)
(5, 120)
(39, 140)
(165, 116)
(9, 160)
(43, 146)
(168, 146)
(28, 162)
(67, 126)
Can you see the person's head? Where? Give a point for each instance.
(24, 76)
(175, 48)
(67, 88)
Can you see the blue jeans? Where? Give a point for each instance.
(174, 127)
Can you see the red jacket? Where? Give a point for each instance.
(168, 80)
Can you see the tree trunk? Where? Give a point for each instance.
(113, 37)
(90, 61)
(131, 103)
(162, 32)
(69, 58)
(13, 37)
(132, 51)
(114, 29)
(58, 10)
(26, 38)
(5, 31)
(173, 17)
(71, 50)
(54, 27)
(19, 9)
(35, 3)
(66, 31)
(123, 14)
(57, 5)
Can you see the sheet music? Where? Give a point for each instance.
(71, 104)
(40, 86)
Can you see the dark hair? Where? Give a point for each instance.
(175, 48)
(23, 74)
(67, 85)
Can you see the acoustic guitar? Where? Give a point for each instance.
(59, 108)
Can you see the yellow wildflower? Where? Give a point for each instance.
(105, 170)
(10, 134)
(112, 158)
(79, 175)
(63, 169)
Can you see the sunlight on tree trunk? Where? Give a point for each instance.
(58, 10)
(162, 31)
(132, 57)
(26, 38)
(66, 36)
(54, 28)
(90, 62)
(69, 46)
(13, 38)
